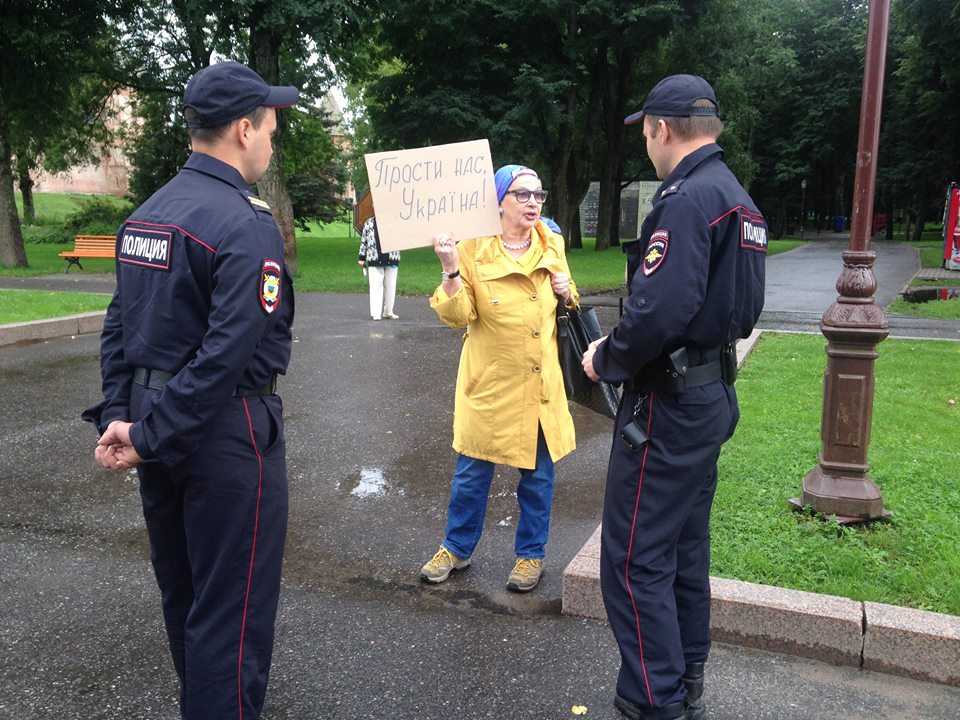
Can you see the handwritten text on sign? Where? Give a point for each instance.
(441, 189)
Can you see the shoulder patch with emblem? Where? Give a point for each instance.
(656, 251)
(753, 231)
(270, 285)
(258, 203)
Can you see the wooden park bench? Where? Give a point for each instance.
(90, 246)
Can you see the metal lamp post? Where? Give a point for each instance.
(854, 325)
(803, 206)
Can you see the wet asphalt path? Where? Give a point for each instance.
(801, 285)
(368, 409)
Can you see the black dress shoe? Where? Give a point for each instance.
(673, 711)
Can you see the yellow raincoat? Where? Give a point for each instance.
(509, 380)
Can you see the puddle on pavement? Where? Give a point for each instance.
(925, 295)
(369, 483)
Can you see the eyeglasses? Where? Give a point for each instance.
(523, 196)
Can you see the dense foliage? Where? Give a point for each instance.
(52, 88)
(550, 84)
(547, 83)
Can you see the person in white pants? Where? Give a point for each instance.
(381, 271)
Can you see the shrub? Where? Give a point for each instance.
(45, 234)
(96, 216)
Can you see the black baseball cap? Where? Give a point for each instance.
(674, 96)
(228, 90)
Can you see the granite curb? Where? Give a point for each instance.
(895, 640)
(56, 327)
(885, 638)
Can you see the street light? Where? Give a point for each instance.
(854, 325)
(803, 205)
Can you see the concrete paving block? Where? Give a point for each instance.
(90, 322)
(38, 330)
(55, 327)
(822, 627)
(581, 582)
(745, 346)
(914, 643)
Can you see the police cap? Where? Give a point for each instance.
(674, 96)
(228, 90)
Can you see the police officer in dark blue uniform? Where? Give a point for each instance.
(193, 341)
(695, 279)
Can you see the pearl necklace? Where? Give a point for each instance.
(518, 246)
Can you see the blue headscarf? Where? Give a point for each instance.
(550, 223)
(505, 176)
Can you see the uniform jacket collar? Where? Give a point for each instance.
(208, 165)
(687, 166)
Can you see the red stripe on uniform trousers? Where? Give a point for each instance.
(626, 570)
(253, 553)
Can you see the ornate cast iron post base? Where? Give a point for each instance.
(853, 326)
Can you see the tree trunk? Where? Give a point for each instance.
(780, 219)
(12, 252)
(608, 205)
(26, 191)
(265, 59)
(841, 198)
(570, 155)
(907, 217)
(921, 221)
(575, 238)
(611, 171)
(888, 234)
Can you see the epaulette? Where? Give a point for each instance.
(258, 203)
(673, 188)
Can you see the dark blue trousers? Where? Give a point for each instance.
(217, 524)
(655, 542)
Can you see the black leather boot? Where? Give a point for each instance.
(673, 711)
(694, 706)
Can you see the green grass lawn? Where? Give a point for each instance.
(25, 305)
(911, 560)
(931, 255)
(327, 258)
(328, 263)
(935, 309)
(53, 208)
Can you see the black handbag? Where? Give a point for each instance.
(576, 329)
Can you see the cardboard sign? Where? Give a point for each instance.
(441, 189)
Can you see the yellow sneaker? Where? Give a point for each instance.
(441, 565)
(526, 575)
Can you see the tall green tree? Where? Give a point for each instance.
(920, 145)
(315, 168)
(295, 42)
(535, 79)
(158, 146)
(808, 112)
(50, 54)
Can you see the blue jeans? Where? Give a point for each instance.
(468, 505)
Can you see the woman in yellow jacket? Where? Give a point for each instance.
(510, 405)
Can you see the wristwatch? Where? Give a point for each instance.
(449, 276)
